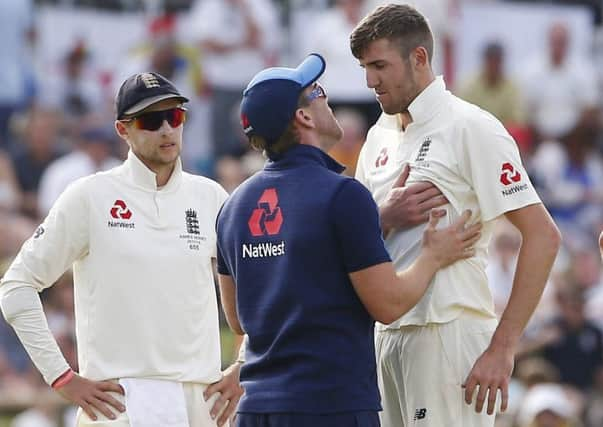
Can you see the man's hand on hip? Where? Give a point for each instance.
(230, 391)
(93, 396)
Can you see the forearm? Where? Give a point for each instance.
(22, 309)
(412, 283)
(534, 264)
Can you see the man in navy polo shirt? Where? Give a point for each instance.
(303, 269)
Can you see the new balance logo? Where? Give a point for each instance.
(420, 414)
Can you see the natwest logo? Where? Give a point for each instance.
(267, 218)
(509, 175)
(382, 158)
(120, 210)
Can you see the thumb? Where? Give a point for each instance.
(401, 180)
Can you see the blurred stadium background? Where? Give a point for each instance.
(536, 65)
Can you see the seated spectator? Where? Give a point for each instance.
(547, 405)
(493, 91)
(93, 153)
(237, 39)
(14, 228)
(576, 347)
(329, 35)
(559, 90)
(36, 149)
(568, 175)
(75, 87)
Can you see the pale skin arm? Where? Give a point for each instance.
(601, 244)
(405, 207)
(387, 295)
(492, 370)
(229, 386)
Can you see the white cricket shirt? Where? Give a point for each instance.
(471, 158)
(145, 299)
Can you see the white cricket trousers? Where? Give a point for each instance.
(197, 409)
(421, 369)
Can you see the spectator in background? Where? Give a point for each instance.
(344, 78)
(38, 147)
(348, 149)
(16, 21)
(559, 90)
(14, 228)
(493, 91)
(568, 173)
(92, 153)
(163, 53)
(237, 39)
(546, 405)
(571, 342)
(75, 87)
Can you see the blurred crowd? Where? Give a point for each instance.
(56, 125)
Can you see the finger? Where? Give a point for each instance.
(481, 398)
(434, 202)
(211, 389)
(401, 180)
(471, 241)
(504, 391)
(228, 412)
(87, 408)
(110, 386)
(102, 408)
(462, 220)
(434, 217)
(106, 397)
(471, 231)
(429, 193)
(419, 187)
(220, 403)
(492, 392)
(470, 385)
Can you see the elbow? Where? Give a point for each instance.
(388, 315)
(553, 238)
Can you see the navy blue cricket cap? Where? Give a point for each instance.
(271, 98)
(142, 90)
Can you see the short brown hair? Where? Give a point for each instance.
(398, 23)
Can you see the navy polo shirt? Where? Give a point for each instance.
(289, 236)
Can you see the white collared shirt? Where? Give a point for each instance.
(472, 159)
(145, 299)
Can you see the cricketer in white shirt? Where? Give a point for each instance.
(140, 238)
(448, 351)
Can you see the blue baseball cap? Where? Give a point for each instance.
(271, 97)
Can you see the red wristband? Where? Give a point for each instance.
(63, 379)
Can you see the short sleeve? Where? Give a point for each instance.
(356, 219)
(491, 163)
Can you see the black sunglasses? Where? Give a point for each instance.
(154, 119)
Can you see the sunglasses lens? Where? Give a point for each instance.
(175, 117)
(153, 120)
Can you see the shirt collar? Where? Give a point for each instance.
(142, 176)
(303, 154)
(429, 101)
